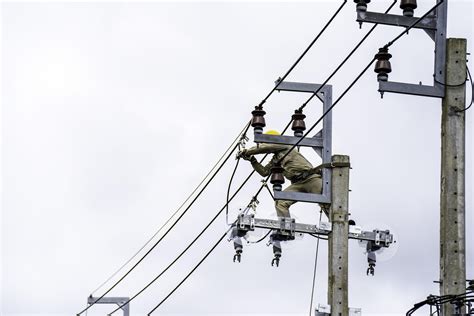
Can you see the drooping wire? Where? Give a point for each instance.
(305, 51)
(315, 266)
(190, 244)
(191, 272)
(164, 235)
(472, 92)
(346, 58)
(261, 239)
(172, 215)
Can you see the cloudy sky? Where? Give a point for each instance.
(112, 113)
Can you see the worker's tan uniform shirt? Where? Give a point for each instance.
(294, 164)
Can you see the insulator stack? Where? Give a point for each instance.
(298, 125)
(277, 178)
(258, 120)
(382, 66)
(408, 7)
(361, 5)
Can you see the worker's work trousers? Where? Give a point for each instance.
(312, 184)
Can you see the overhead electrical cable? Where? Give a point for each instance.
(305, 51)
(166, 232)
(348, 56)
(172, 215)
(198, 236)
(191, 272)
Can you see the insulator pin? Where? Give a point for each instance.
(298, 125)
(408, 7)
(382, 66)
(361, 5)
(277, 178)
(258, 120)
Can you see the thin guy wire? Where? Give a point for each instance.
(191, 272)
(171, 217)
(315, 266)
(164, 235)
(305, 51)
(347, 58)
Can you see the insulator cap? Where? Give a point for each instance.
(258, 121)
(298, 125)
(408, 7)
(361, 5)
(277, 178)
(383, 66)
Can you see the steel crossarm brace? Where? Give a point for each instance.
(428, 23)
(302, 87)
(415, 89)
(111, 300)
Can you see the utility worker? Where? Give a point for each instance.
(296, 168)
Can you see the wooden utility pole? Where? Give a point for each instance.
(452, 223)
(338, 239)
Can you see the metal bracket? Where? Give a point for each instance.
(111, 300)
(321, 142)
(382, 238)
(435, 26)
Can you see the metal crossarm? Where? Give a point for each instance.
(381, 238)
(321, 142)
(112, 300)
(435, 26)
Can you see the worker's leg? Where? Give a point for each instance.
(283, 206)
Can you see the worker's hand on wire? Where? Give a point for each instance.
(243, 154)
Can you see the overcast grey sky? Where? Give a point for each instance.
(113, 112)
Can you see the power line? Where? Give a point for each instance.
(189, 245)
(305, 51)
(164, 235)
(191, 272)
(413, 25)
(347, 58)
(172, 215)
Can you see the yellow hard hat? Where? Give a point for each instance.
(272, 132)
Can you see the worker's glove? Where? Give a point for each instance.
(243, 154)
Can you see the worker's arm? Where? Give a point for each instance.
(265, 149)
(262, 170)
